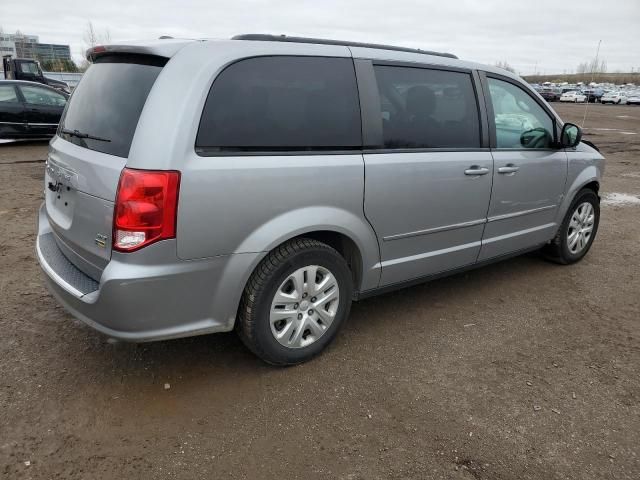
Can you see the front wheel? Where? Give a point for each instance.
(295, 302)
(578, 230)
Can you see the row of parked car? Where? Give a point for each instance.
(591, 95)
(632, 98)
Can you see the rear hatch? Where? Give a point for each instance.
(89, 152)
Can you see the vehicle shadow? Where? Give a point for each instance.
(445, 293)
(223, 353)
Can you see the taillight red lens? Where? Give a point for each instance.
(146, 207)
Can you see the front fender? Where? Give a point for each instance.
(586, 165)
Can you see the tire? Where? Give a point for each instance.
(563, 251)
(260, 323)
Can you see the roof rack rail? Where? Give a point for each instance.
(323, 41)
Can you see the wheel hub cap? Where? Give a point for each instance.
(304, 306)
(580, 227)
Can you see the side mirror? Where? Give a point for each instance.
(536, 138)
(570, 136)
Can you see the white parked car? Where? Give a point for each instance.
(614, 97)
(573, 96)
(634, 98)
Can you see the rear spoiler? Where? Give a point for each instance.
(166, 48)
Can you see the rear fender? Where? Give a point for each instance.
(295, 223)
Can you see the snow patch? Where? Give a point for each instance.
(616, 130)
(620, 199)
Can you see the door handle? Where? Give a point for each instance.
(476, 170)
(509, 168)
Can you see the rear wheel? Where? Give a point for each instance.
(578, 230)
(295, 302)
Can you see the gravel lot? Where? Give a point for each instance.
(520, 370)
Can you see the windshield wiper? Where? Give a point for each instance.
(79, 134)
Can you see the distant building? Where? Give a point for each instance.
(42, 51)
(28, 46)
(8, 42)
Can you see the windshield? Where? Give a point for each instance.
(108, 101)
(29, 67)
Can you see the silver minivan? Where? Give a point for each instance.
(263, 183)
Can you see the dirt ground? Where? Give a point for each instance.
(520, 370)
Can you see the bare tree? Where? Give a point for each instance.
(595, 66)
(92, 38)
(504, 65)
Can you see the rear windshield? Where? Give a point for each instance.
(108, 101)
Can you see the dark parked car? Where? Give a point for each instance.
(29, 109)
(593, 94)
(551, 94)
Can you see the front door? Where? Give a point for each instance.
(427, 186)
(530, 172)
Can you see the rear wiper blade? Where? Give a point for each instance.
(79, 134)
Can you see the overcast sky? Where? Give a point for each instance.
(547, 36)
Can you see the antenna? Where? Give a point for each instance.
(593, 70)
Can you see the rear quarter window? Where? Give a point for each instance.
(282, 103)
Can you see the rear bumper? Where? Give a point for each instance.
(148, 295)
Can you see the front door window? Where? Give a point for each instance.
(520, 121)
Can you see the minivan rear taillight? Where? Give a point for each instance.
(145, 209)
